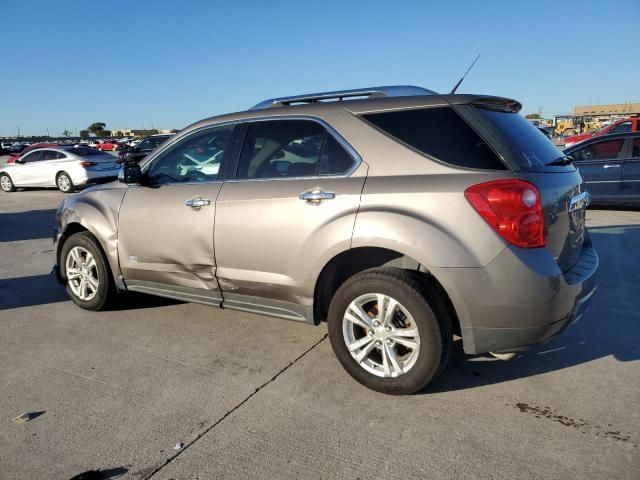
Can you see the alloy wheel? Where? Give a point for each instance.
(381, 335)
(64, 183)
(82, 273)
(5, 183)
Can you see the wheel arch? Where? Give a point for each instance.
(355, 260)
(85, 214)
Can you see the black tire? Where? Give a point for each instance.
(569, 132)
(7, 183)
(106, 293)
(426, 307)
(67, 186)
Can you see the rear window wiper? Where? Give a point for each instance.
(561, 161)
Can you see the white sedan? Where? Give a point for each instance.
(62, 167)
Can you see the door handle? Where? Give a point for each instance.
(614, 165)
(197, 203)
(316, 196)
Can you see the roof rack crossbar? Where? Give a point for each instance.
(340, 95)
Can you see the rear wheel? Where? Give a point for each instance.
(64, 183)
(86, 271)
(569, 131)
(6, 183)
(389, 331)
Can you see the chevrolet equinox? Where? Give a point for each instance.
(399, 216)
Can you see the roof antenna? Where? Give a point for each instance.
(465, 74)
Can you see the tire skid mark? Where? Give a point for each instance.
(584, 426)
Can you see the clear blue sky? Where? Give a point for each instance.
(135, 64)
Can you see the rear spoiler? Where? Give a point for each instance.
(497, 103)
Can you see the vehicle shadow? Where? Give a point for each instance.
(30, 225)
(611, 327)
(45, 289)
(27, 291)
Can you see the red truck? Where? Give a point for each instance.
(621, 126)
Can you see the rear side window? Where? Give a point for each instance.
(635, 148)
(624, 127)
(440, 133)
(534, 149)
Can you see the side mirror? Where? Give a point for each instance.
(130, 174)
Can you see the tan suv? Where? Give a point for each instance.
(399, 216)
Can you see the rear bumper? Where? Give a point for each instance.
(521, 298)
(95, 176)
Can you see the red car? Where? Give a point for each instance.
(14, 156)
(106, 146)
(621, 126)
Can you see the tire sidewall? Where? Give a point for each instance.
(85, 241)
(430, 353)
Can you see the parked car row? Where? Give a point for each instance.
(624, 125)
(61, 167)
(71, 166)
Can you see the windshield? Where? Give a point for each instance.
(151, 142)
(534, 148)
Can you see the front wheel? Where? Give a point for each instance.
(64, 183)
(6, 183)
(86, 271)
(389, 331)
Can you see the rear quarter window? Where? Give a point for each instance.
(439, 133)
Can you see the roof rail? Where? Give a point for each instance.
(339, 95)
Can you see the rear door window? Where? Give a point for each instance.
(439, 133)
(605, 150)
(49, 155)
(291, 148)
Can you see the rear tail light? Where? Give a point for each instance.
(88, 164)
(513, 209)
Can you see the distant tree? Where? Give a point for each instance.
(119, 134)
(66, 133)
(532, 116)
(97, 128)
(106, 133)
(84, 133)
(175, 130)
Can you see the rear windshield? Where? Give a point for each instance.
(534, 149)
(440, 133)
(85, 151)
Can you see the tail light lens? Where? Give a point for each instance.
(513, 208)
(88, 164)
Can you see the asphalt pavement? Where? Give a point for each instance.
(166, 390)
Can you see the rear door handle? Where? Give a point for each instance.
(316, 196)
(197, 203)
(612, 165)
